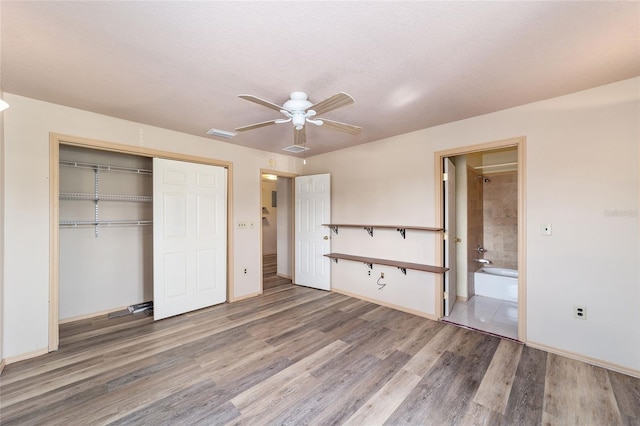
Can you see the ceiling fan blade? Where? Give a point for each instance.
(256, 125)
(299, 137)
(341, 127)
(262, 102)
(329, 104)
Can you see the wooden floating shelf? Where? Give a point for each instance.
(369, 228)
(403, 266)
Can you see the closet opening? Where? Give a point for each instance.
(103, 201)
(105, 233)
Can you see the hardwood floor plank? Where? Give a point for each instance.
(383, 403)
(527, 392)
(200, 403)
(419, 406)
(478, 415)
(465, 384)
(358, 391)
(256, 394)
(426, 357)
(627, 392)
(578, 393)
(495, 387)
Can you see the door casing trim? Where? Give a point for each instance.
(520, 144)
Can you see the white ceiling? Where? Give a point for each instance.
(409, 65)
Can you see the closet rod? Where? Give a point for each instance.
(76, 223)
(105, 197)
(489, 166)
(105, 167)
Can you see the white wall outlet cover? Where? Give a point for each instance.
(545, 229)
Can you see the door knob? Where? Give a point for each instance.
(326, 237)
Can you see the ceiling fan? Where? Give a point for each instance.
(299, 110)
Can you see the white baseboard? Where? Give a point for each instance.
(28, 355)
(91, 315)
(386, 304)
(587, 359)
(246, 296)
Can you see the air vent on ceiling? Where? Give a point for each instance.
(295, 148)
(221, 133)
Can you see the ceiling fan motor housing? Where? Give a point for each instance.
(298, 102)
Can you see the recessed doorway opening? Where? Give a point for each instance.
(481, 208)
(276, 225)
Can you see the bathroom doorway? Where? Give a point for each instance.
(483, 243)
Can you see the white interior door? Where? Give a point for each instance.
(312, 209)
(450, 279)
(189, 237)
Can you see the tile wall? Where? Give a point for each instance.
(475, 225)
(500, 219)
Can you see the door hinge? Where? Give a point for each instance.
(445, 177)
(446, 295)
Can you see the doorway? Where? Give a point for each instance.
(483, 244)
(276, 227)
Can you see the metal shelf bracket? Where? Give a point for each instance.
(403, 270)
(369, 230)
(403, 232)
(334, 228)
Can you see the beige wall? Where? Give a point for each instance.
(475, 226)
(285, 226)
(582, 176)
(269, 220)
(26, 188)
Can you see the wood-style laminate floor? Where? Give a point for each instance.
(270, 278)
(296, 356)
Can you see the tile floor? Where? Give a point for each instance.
(484, 313)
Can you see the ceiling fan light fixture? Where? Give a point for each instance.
(298, 119)
(221, 133)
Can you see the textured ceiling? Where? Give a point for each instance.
(409, 65)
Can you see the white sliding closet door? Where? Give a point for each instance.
(189, 237)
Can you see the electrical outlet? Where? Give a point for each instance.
(245, 271)
(242, 225)
(580, 312)
(369, 272)
(381, 274)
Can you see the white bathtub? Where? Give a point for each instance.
(498, 283)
